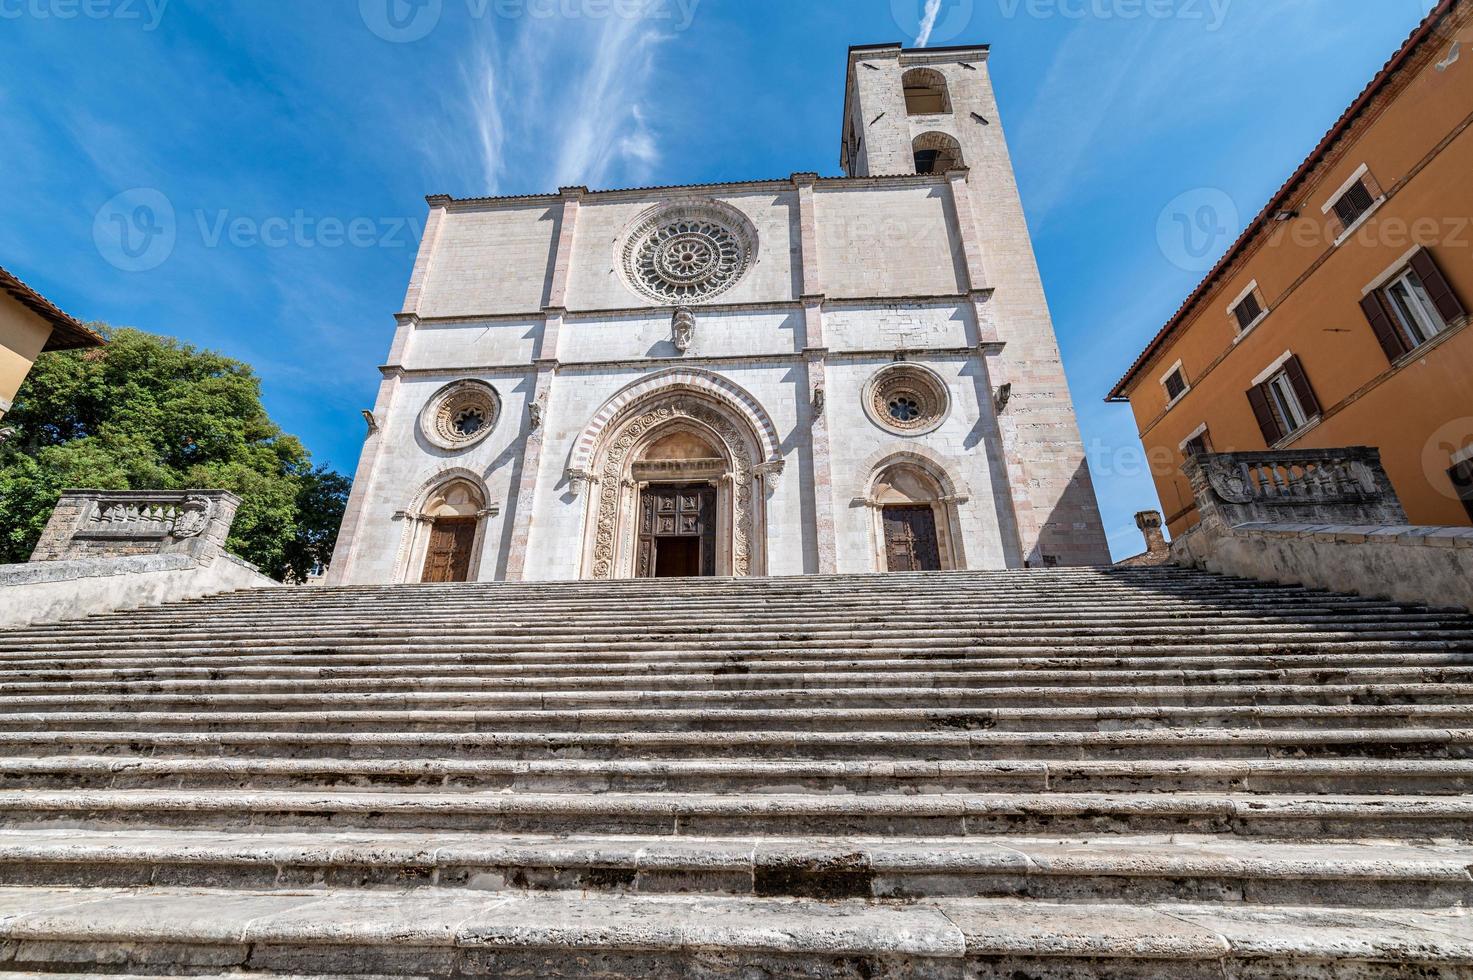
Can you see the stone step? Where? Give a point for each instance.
(98, 673)
(695, 775)
(837, 697)
(629, 656)
(427, 672)
(1296, 817)
(1160, 744)
(1140, 869)
(449, 932)
(811, 718)
(732, 678)
(951, 614)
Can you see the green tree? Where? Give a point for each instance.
(150, 413)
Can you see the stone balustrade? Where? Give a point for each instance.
(1307, 486)
(127, 524)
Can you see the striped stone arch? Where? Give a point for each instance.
(713, 385)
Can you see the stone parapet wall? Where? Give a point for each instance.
(1430, 566)
(102, 524)
(55, 591)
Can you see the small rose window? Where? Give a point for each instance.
(461, 415)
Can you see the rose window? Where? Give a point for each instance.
(904, 409)
(908, 399)
(461, 415)
(688, 254)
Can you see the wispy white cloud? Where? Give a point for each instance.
(564, 103)
(928, 22)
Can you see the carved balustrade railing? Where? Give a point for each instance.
(1308, 486)
(106, 523)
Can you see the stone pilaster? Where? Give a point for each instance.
(549, 353)
(816, 359)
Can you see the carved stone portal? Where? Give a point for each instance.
(614, 523)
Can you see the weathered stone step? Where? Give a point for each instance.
(1145, 743)
(810, 718)
(733, 678)
(796, 637)
(851, 697)
(1404, 818)
(100, 673)
(448, 932)
(1140, 869)
(1314, 776)
(952, 614)
(633, 656)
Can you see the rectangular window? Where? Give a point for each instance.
(1413, 308)
(1285, 403)
(1198, 446)
(1176, 385)
(1351, 206)
(1462, 477)
(1248, 311)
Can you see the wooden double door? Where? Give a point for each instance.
(677, 531)
(911, 543)
(452, 546)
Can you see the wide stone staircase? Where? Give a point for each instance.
(1023, 775)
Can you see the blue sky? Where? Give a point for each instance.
(293, 141)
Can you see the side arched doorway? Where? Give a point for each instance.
(915, 521)
(447, 533)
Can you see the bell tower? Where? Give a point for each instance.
(910, 111)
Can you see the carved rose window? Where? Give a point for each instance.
(689, 253)
(461, 415)
(908, 399)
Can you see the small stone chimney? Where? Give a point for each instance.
(1149, 521)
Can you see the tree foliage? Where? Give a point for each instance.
(150, 413)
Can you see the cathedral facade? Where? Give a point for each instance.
(777, 377)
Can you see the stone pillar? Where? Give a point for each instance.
(548, 359)
(815, 350)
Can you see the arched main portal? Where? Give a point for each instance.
(679, 474)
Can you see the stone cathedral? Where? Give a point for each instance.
(775, 377)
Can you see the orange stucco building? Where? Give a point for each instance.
(1340, 317)
(31, 325)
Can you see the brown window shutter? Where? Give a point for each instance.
(1438, 287)
(1267, 421)
(1393, 341)
(1302, 388)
